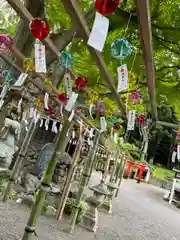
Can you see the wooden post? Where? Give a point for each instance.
(121, 173)
(70, 176)
(106, 169)
(84, 180)
(20, 160)
(45, 184)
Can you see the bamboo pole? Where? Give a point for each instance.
(122, 169)
(84, 180)
(70, 176)
(29, 231)
(20, 160)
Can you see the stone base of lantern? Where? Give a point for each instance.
(90, 218)
(107, 204)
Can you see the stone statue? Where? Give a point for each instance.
(10, 130)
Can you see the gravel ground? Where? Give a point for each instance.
(139, 213)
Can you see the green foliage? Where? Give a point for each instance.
(69, 206)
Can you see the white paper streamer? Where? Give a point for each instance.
(46, 124)
(131, 120)
(40, 58)
(71, 116)
(67, 78)
(19, 105)
(115, 138)
(71, 102)
(103, 123)
(178, 152)
(61, 111)
(73, 134)
(91, 132)
(21, 79)
(99, 32)
(122, 78)
(53, 126)
(46, 100)
(90, 111)
(31, 112)
(36, 117)
(4, 91)
(173, 158)
(41, 123)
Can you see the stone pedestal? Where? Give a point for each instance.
(90, 218)
(107, 205)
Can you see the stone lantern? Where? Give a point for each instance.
(90, 218)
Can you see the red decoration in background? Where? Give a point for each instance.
(39, 28)
(62, 97)
(141, 119)
(117, 127)
(5, 43)
(81, 82)
(135, 97)
(106, 6)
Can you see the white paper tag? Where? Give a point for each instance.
(67, 78)
(40, 58)
(41, 123)
(53, 126)
(46, 100)
(178, 152)
(71, 102)
(71, 116)
(121, 140)
(131, 119)
(122, 78)
(21, 79)
(1, 103)
(91, 132)
(19, 105)
(99, 32)
(73, 134)
(115, 138)
(173, 158)
(103, 123)
(4, 91)
(31, 112)
(46, 124)
(24, 116)
(36, 117)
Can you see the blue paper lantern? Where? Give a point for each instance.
(66, 59)
(121, 48)
(8, 76)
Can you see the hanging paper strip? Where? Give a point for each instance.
(21, 79)
(71, 102)
(131, 120)
(4, 91)
(122, 78)
(178, 152)
(67, 78)
(103, 123)
(116, 138)
(99, 32)
(40, 58)
(173, 158)
(46, 124)
(19, 105)
(46, 99)
(31, 112)
(41, 123)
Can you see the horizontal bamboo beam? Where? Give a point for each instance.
(144, 19)
(166, 124)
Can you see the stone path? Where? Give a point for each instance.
(138, 214)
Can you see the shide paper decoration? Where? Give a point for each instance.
(121, 48)
(66, 59)
(39, 29)
(99, 32)
(5, 44)
(106, 6)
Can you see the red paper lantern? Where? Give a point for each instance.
(117, 127)
(106, 6)
(39, 28)
(62, 97)
(141, 119)
(81, 82)
(48, 110)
